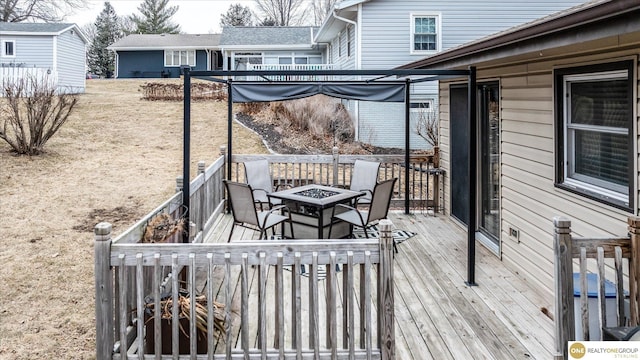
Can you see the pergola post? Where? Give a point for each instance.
(186, 151)
(407, 144)
(472, 173)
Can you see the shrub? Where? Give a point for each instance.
(320, 115)
(175, 92)
(31, 112)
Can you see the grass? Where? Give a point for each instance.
(115, 160)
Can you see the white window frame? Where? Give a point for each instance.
(608, 192)
(438, 35)
(4, 48)
(191, 60)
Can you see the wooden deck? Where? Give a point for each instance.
(437, 315)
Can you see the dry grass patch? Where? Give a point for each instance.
(115, 160)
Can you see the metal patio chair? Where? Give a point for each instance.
(364, 178)
(379, 208)
(245, 214)
(258, 175)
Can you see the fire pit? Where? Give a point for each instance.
(317, 193)
(311, 207)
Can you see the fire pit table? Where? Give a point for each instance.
(311, 207)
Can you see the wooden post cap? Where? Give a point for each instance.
(103, 228)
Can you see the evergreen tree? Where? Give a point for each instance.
(267, 22)
(237, 15)
(155, 18)
(107, 30)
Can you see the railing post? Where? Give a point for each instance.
(179, 183)
(563, 268)
(386, 314)
(634, 270)
(336, 161)
(104, 291)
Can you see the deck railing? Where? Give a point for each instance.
(604, 257)
(254, 287)
(425, 177)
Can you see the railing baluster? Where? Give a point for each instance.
(279, 301)
(124, 311)
(175, 317)
(210, 303)
(140, 304)
(314, 331)
(244, 312)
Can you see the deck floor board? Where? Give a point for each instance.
(438, 316)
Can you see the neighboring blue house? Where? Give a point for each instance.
(52, 50)
(164, 55)
(384, 34)
(274, 48)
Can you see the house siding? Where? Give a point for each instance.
(529, 200)
(150, 64)
(71, 60)
(31, 51)
(389, 46)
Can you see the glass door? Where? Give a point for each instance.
(489, 162)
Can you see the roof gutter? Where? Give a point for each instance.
(564, 22)
(355, 28)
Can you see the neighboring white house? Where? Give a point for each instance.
(55, 50)
(272, 48)
(384, 34)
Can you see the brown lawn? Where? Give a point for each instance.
(115, 160)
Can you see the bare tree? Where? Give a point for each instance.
(427, 125)
(41, 10)
(283, 12)
(320, 9)
(31, 112)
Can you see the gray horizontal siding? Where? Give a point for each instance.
(377, 128)
(71, 60)
(31, 51)
(386, 25)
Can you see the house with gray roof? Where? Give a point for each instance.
(55, 51)
(271, 47)
(165, 55)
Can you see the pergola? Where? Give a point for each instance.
(391, 85)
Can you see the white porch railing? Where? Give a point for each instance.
(291, 67)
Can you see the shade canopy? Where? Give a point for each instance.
(259, 92)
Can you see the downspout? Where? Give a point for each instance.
(357, 62)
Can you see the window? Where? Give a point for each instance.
(425, 34)
(8, 48)
(595, 132)
(179, 57)
(340, 45)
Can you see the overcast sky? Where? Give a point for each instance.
(193, 16)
